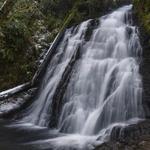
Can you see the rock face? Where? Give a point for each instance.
(145, 71)
(133, 137)
(142, 17)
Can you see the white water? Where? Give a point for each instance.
(105, 88)
(38, 111)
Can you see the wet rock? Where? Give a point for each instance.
(129, 31)
(132, 137)
(10, 106)
(92, 25)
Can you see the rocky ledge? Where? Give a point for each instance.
(132, 137)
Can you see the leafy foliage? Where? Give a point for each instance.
(26, 20)
(142, 9)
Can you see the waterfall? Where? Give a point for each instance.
(99, 60)
(106, 86)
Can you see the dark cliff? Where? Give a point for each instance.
(142, 19)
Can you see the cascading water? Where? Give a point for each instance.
(104, 86)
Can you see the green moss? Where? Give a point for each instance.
(142, 10)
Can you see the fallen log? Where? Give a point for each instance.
(39, 73)
(15, 90)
